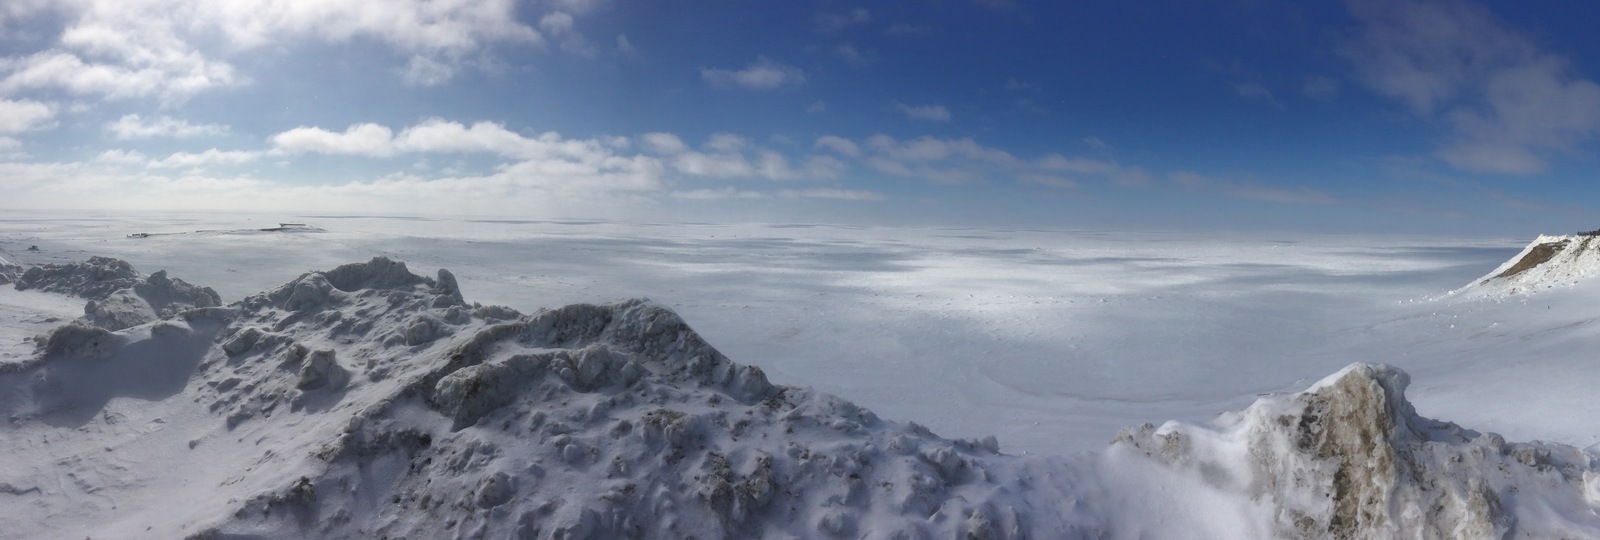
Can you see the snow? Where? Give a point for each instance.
(364, 399)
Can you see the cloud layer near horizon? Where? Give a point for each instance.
(153, 104)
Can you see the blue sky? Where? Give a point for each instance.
(1366, 115)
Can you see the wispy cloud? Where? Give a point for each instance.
(729, 156)
(1254, 91)
(764, 74)
(1509, 105)
(132, 126)
(832, 23)
(208, 157)
(174, 49)
(17, 116)
(932, 113)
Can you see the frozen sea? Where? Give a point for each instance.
(1052, 340)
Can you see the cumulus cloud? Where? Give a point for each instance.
(764, 74)
(425, 71)
(1509, 105)
(120, 157)
(187, 159)
(176, 48)
(730, 156)
(839, 144)
(360, 139)
(17, 116)
(932, 113)
(132, 126)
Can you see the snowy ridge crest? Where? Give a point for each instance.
(367, 401)
(1350, 458)
(119, 297)
(1547, 262)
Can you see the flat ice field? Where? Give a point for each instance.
(1052, 341)
(1049, 340)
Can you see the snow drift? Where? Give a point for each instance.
(1547, 262)
(367, 401)
(119, 297)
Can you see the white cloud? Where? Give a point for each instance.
(360, 139)
(726, 155)
(836, 22)
(425, 71)
(817, 107)
(624, 46)
(1253, 91)
(1048, 180)
(120, 157)
(839, 144)
(926, 149)
(1015, 85)
(665, 143)
(831, 193)
(1509, 105)
(17, 116)
(764, 74)
(208, 157)
(932, 113)
(441, 136)
(726, 142)
(132, 126)
(941, 161)
(175, 48)
(853, 56)
(717, 194)
(556, 23)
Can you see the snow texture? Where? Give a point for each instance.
(367, 401)
(1547, 262)
(118, 296)
(9, 271)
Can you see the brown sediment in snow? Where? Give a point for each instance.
(1540, 254)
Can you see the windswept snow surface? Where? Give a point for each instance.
(367, 401)
(1051, 341)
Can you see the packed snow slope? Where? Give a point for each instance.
(367, 401)
(1051, 340)
(1548, 262)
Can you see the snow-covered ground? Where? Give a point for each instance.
(1052, 341)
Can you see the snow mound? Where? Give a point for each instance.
(1547, 262)
(119, 297)
(9, 271)
(1350, 458)
(94, 279)
(367, 401)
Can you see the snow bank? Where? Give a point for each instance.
(9, 271)
(367, 401)
(1547, 262)
(1350, 458)
(118, 296)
